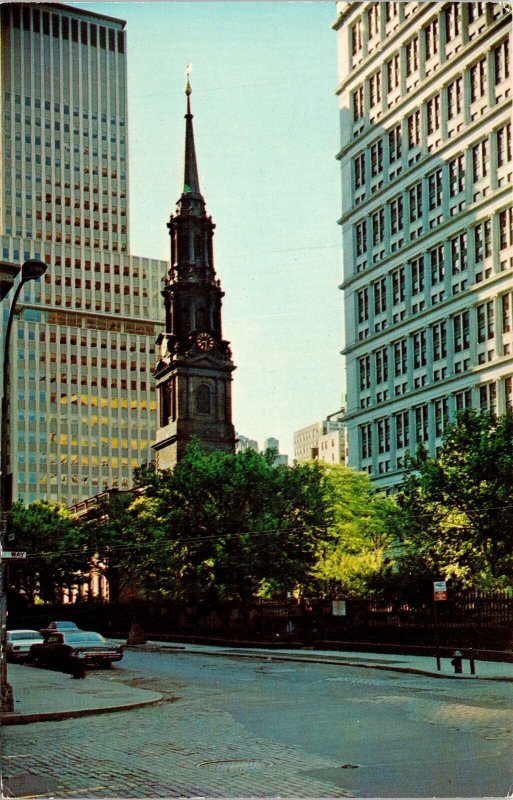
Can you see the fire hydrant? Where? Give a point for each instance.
(457, 662)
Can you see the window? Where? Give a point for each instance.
(394, 144)
(391, 11)
(478, 80)
(412, 56)
(356, 37)
(421, 423)
(359, 171)
(417, 275)
(402, 426)
(366, 441)
(474, 10)
(504, 145)
(456, 176)
(463, 399)
(419, 349)
(398, 285)
(364, 371)
(373, 19)
(400, 357)
(375, 89)
(452, 21)
(441, 415)
(459, 253)
(414, 129)
(506, 313)
(480, 161)
(383, 435)
(396, 215)
(415, 196)
(485, 321)
(439, 333)
(482, 240)
(436, 257)
(461, 331)
(488, 397)
(378, 226)
(506, 228)
(433, 114)
(361, 238)
(376, 154)
(358, 104)
(393, 72)
(363, 305)
(380, 296)
(431, 38)
(203, 400)
(454, 98)
(435, 189)
(501, 62)
(381, 357)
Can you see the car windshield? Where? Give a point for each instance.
(86, 637)
(22, 635)
(63, 625)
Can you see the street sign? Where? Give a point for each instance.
(439, 590)
(338, 608)
(12, 555)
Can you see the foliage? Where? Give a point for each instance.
(455, 517)
(53, 540)
(357, 549)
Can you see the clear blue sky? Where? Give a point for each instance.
(263, 81)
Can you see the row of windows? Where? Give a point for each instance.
(64, 27)
(386, 153)
(64, 110)
(426, 421)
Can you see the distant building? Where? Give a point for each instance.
(243, 443)
(322, 441)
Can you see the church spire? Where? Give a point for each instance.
(190, 175)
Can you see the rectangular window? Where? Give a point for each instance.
(380, 296)
(463, 399)
(414, 129)
(482, 240)
(394, 144)
(412, 56)
(474, 10)
(381, 365)
(436, 257)
(459, 253)
(501, 62)
(435, 189)
(478, 80)
(378, 227)
(398, 286)
(421, 423)
(373, 20)
(366, 441)
(361, 238)
(433, 114)
(396, 215)
(375, 89)
(400, 357)
(363, 305)
(359, 171)
(419, 349)
(439, 334)
(461, 331)
(431, 38)
(402, 429)
(488, 397)
(356, 37)
(506, 313)
(376, 154)
(417, 275)
(452, 21)
(441, 415)
(415, 196)
(454, 98)
(383, 435)
(480, 161)
(457, 176)
(506, 228)
(485, 321)
(364, 370)
(393, 72)
(504, 145)
(358, 104)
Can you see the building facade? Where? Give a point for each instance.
(82, 396)
(427, 218)
(194, 370)
(323, 441)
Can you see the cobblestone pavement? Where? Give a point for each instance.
(177, 749)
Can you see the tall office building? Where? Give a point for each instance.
(82, 395)
(425, 112)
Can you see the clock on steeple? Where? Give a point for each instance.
(194, 366)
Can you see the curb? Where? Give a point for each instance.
(53, 716)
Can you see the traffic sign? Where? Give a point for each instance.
(12, 555)
(439, 590)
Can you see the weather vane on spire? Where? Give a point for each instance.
(188, 89)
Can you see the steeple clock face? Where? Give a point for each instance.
(204, 342)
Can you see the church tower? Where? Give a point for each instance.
(194, 366)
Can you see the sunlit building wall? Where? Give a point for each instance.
(426, 165)
(82, 396)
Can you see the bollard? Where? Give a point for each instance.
(472, 661)
(457, 662)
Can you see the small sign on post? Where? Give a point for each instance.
(12, 555)
(338, 608)
(439, 590)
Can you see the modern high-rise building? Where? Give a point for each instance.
(83, 408)
(426, 163)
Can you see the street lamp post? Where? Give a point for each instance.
(30, 270)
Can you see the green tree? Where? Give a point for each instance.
(53, 541)
(359, 543)
(455, 517)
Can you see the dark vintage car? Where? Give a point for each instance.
(70, 650)
(60, 625)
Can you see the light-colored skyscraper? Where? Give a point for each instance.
(82, 393)
(426, 162)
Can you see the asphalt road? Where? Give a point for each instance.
(240, 728)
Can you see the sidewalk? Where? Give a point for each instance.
(42, 695)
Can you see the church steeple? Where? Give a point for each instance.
(194, 362)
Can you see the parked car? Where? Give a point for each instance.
(67, 649)
(19, 643)
(59, 625)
